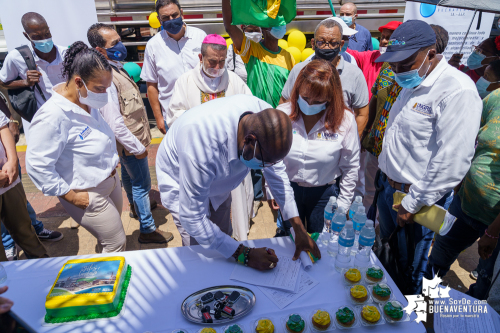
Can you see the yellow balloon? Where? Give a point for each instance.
(297, 39)
(283, 43)
(292, 30)
(229, 41)
(154, 22)
(295, 52)
(306, 53)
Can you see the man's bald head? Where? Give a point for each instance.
(32, 21)
(350, 6)
(272, 129)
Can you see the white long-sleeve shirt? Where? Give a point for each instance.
(69, 149)
(317, 158)
(198, 163)
(4, 121)
(430, 135)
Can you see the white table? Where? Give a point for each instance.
(163, 278)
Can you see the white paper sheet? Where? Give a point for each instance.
(283, 277)
(304, 257)
(282, 298)
(465, 321)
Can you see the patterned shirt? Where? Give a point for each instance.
(480, 191)
(267, 70)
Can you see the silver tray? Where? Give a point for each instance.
(242, 307)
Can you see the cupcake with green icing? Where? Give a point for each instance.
(381, 292)
(233, 329)
(393, 310)
(295, 324)
(345, 317)
(374, 274)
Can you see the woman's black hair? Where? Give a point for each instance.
(83, 61)
(495, 67)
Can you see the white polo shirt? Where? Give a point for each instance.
(317, 158)
(165, 59)
(69, 149)
(14, 66)
(198, 163)
(430, 135)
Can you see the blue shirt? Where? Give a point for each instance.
(362, 41)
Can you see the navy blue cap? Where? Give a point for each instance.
(407, 39)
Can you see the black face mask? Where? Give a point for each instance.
(327, 54)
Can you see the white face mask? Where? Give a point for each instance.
(213, 72)
(254, 36)
(94, 100)
(382, 49)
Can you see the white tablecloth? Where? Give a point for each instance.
(163, 278)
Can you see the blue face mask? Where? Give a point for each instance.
(475, 59)
(173, 26)
(347, 20)
(117, 52)
(254, 163)
(411, 79)
(44, 46)
(482, 84)
(344, 48)
(278, 32)
(310, 110)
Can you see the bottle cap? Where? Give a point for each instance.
(348, 224)
(361, 210)
(359, 199)
(333, 199)
(369, 223)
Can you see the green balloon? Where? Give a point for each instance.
(133, 70)
(375, 43)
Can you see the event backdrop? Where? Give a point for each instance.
(68, 19)
(456, 21)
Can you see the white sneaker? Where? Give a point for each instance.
(11, 254)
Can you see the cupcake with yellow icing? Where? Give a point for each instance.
(264, 325)
(370, 314)
(359, 293)
(207, 330)
(321, 320)
(352, 275)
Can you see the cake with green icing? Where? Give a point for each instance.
(393, 310)
(295, 324)
(381, 291)
(234, 329)
(88, 289)
(374, 274)
(345, 317)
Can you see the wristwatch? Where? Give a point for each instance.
(14, 121)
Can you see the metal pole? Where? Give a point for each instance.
(460, 52)
(331, 8)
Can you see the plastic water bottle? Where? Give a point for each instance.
(338, 222)
(354, 206)
(358, 222)
(3, 274)
(346, 241)
(366, 241)
(330, 209)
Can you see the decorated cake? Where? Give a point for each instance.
(353, 275)
(264, 325)
(88, 289)
(393, 310)
(207, 330)
(321, 320)
(295, 324)
(359, 293)
(381, 292)
(374, 274)
(345, 317)
(233, 329)
(370, 314)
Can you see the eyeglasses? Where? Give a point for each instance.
(263, 164)
(331, 45)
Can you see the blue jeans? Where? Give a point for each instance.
(258, 194)
(423, 236)
(7, 241)
(137, 184)
(447, 248)
(311, 203)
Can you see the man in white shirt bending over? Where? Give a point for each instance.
(207, 153)
(169, 54)
(429, 141)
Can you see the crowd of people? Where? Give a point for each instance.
(245, 122)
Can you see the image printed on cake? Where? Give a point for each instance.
(295, 324)
(359, 293)
(233, 329)
(374, 274)
(345, 317)
(264, 325)
(370, 314)
(381, 292)
(88, 289)
(321, 320)
(393, 310)
(352, 275)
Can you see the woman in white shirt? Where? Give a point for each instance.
(325, 150)
(72, 151)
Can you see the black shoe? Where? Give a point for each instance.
(134, 215)
(280, 233)
(50, 235)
